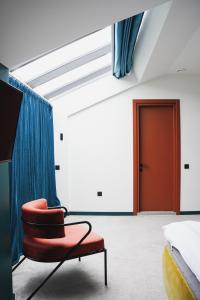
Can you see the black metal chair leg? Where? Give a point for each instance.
(67, 254)
(79, 259)
(19, 263)
(105, 266)
(45, 280)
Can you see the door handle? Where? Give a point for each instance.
(141, 167)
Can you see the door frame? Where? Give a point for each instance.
(175, 104)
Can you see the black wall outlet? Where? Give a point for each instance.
(186, 166)
(57, 167)
(61, 136)
(99, 194)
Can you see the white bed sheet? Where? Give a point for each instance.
(185, 236)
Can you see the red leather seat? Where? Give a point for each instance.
(51, 244)
(53, 250)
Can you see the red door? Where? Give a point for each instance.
(156, 158)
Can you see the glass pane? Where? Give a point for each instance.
(63, 55)
(74, 75)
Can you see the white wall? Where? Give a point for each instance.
(98, 152)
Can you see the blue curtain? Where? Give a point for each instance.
(125, 35)
(32, 168)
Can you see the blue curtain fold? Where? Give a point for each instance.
(32, 171)
(125, 35)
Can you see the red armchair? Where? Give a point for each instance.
(48, 239)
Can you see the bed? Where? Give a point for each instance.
(181, 260)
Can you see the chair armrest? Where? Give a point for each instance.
(58, 225)
(82, 239)
(62, 207)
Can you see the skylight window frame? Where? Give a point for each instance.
(70, 65)
(78, 83)
(89, 70)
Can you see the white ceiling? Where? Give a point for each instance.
(169, 41)
(30, 28)
(189, 58)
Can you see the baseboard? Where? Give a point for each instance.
(190, 212)
(120, 213)
(100, 213)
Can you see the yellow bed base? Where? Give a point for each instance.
(176, 286)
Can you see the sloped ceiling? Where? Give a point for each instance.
(169, 41)
(189, 59)
(30, 28)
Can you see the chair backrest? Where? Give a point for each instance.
(37, 212)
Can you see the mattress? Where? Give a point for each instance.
(185, 236)
(180, 281)
(181, 260)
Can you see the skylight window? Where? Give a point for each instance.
(75, 74)
(55, 72)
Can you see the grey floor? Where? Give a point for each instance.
(135, 246)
